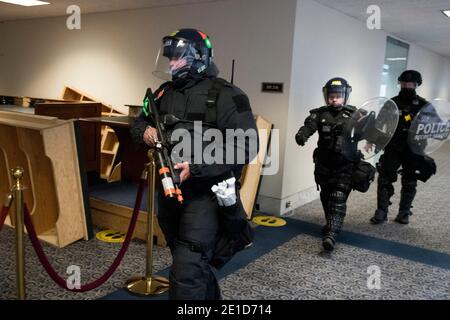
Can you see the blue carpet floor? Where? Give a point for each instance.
(269, 238)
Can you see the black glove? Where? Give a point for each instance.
(300, 139)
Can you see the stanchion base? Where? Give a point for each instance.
(147, 286)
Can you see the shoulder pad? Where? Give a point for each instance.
(317, 110)
(234, 90)
(396, 98)
(164, 85)
(350, 108)
(422, 101)
(220, 83)
(160, 91)
(223, 82)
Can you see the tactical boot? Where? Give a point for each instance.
(379, 217)
(403, 217)
(328, 243)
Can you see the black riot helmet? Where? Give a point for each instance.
(337, 85)
(411, 76)
(184, 51)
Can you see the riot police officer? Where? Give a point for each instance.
(333, 171)
(193, 94)
(398, 154)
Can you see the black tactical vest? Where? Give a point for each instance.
(331, 128)
(196, 103)
(407, 111)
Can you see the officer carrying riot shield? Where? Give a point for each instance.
(401, 153)
(347, 136)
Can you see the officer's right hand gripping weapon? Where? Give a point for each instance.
(170, 179)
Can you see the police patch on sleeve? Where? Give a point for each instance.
(242, 103)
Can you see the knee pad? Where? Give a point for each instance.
(338, 196)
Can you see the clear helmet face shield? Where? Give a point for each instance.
(370, 129)
(335, 99)
(343, 93)
(175, 59)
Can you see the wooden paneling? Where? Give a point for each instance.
(251, 175)
(45, 147)
(110, 215)
(69, 110)
(69, 192)
(75, 94)
(13, 156)
(107, 157)
(5, 181)
(90, 133)
(132, 159)
(45, 209)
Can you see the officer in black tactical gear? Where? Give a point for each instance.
(194, 94)
(398, 153)
(333, 170)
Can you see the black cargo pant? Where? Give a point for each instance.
(388, 166)
(191, 231)
(333, 174)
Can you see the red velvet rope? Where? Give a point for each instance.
(3, 215)
(90, 286)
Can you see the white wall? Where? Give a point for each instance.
(447, 81)
(298, 42)
(112, 56)
(326, 44)
(435, 72)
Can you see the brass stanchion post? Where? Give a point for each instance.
(149, 285)
(18, 188)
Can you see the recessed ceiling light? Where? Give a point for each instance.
(26, 3)
(446, 12)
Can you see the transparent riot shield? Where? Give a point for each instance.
(370, 129)
(430, 128)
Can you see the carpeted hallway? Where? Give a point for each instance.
(286, 262)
